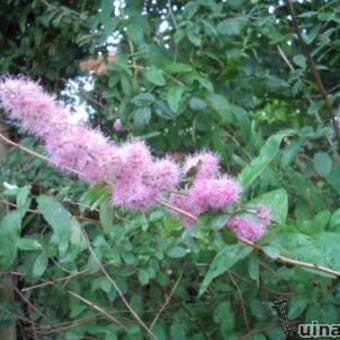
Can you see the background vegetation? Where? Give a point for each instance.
(256, 81)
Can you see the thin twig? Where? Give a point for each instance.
(35, 211)
(33, 153)
(115, 285)
(167, 300)
(97, 308)
(178, 210)
(292, 262)
(244, 311)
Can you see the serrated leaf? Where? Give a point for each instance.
(223, 261)
(177, 252)
(322, 163)
(155, 76)
(177, 331)
(40, 264)
(178, 68)
(141, 117)
(173, 97)
(221, 105)
(272, 252)
(335, 220)
(29, 244)
(267, 153)
(106, 214)
(94, 196)
(10, 228)
(300, 60)
(66, 229)
(58, 218)
(233, 26)
(254, 268)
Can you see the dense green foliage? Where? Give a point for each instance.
(228, 76)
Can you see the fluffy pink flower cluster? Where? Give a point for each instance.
(209, 190)
(251, 228)
(138, 179)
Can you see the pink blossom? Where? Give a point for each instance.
(138, 180)
(117, 125)
(134, 195)
(207, 163)
(85, 150)
(214, 193)
(136, 159)
(246, 228)
(37, 111)
(185, 203)
(165, 173)
(264, 213)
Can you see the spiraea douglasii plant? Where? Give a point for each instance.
(203, 188)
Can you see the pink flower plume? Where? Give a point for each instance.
(207, 163)
(37, 111)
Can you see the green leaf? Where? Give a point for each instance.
(296, 307)
(177, 331)
(143, 99)
(321, 220)
(322, 163)
(66, 228)
(58, 218)
(335, 220)
(223, 261)
(277, 201)
(272, 252)
(267, 153)
(106, 214)
(254, 268)
(141, 117)
(300, 60)
(233, 26)
(109, 22)
(9, 235)
(177, 252)
(29, 244)
(178, 68)
(173, 96)
(155, 76)
(197, 104)
(224, 316)
(221, 105)
(40, 264)
(94, 196)
(135, 32)
(143, 276)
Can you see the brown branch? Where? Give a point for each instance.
(282, 259)
(292, 262)
(168, 298)
(239, 292)
(97, 308)
(315, 73)
(33, 153)
(35, 211)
